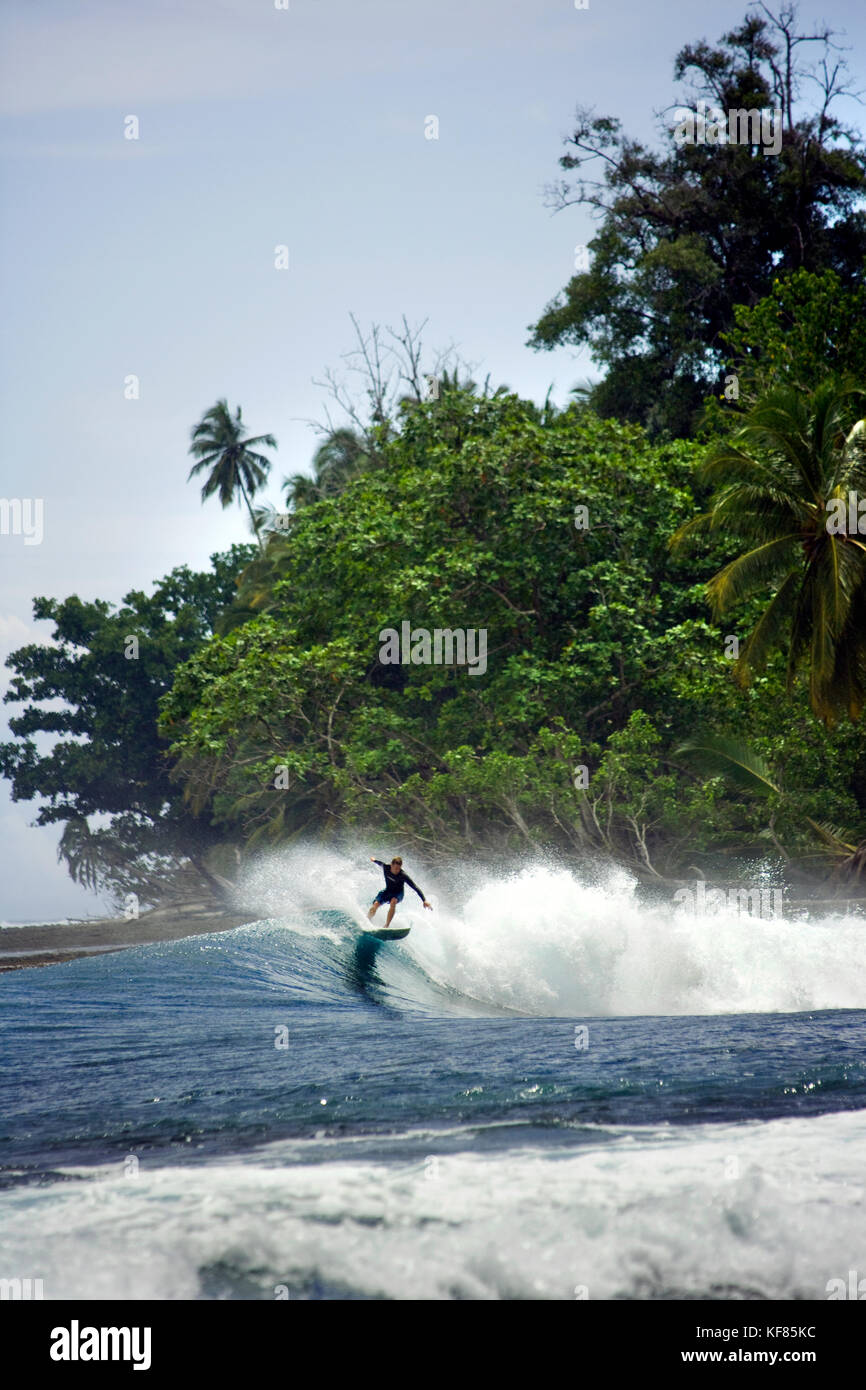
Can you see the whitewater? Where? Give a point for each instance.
(542, 941)
(551, 1089)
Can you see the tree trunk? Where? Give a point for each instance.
(252, 514)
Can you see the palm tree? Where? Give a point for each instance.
(792, 464)
(720, 755)
(235, 465)
(340, 457)
(255, 590)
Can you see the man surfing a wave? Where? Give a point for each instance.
(395, 882)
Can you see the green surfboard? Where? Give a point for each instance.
(388, 933)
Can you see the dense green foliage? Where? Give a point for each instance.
(797, 459)
(106, 778)
(687, 235)
(613, 713)
(600, 654)
(808, 327)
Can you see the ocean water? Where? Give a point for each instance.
(549, 1090)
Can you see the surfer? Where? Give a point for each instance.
(395, 882)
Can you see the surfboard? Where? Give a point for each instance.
(388, 933)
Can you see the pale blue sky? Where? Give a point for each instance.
(156, 257)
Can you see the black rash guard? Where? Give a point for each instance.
(394, 882)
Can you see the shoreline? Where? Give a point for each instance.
(54, 943)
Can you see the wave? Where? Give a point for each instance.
(544, 941)
(760, 1211)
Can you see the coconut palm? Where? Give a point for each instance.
(791, 467)
(255, 591)
(235, 466)
(745, 769)
(340, 457)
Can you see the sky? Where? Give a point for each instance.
(154, 257)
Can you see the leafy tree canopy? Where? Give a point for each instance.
(600, 655)
(810, 326)
(688, 234)
(785, 484)
(95, 688)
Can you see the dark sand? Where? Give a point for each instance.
(54, 943)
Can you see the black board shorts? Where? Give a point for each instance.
(386, 895)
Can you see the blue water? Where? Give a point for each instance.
(289, 1111)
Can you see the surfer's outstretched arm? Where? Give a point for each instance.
(418, 891)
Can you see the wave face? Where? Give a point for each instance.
(544, 942)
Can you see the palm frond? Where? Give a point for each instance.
(748, 572)
(769, 628)
(720, 755)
